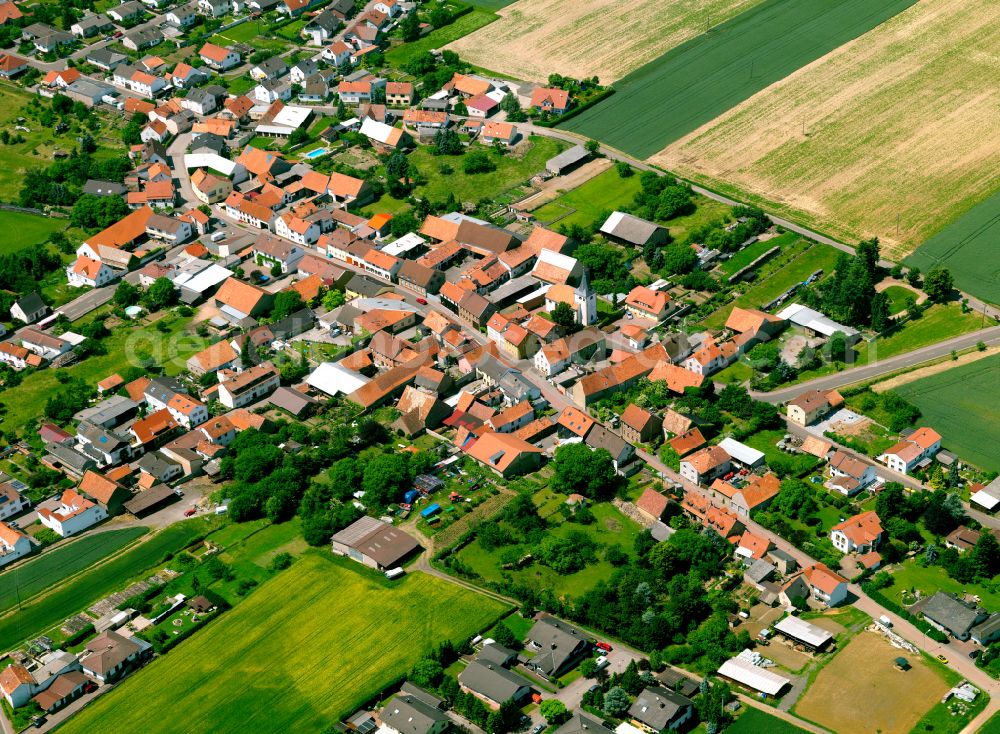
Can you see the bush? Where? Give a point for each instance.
(79, 636)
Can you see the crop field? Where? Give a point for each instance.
(967, 247)
(64, 560)
(303, 650)
(602, 38)
(696, 82)
(44, 612)
(962, 405)
(882, 699)
(893, 135)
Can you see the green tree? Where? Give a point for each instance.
(563, 315)
(553, 711)
(126, 294)
(938, 285)
(503, 635)
(410, 27)
(427, 673)
(478, 161)
(590, 473)
(285, 304)
(592, 146)
(447, 142)
(616, 702)
(386, 477)
(334, 298)
(160, 294)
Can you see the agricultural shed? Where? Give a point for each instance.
(747, 674)
(567, 160)
(798, 630)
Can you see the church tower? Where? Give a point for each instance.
(585, 300)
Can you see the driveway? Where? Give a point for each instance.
(571, 695)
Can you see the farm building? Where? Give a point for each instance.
(803, 633)
(374, 543)
(567, 160)
(627, 229)
(816, 323)
(753, 677)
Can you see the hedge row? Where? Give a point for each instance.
(79, 636)
(599, 97)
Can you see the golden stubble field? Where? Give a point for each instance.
(603, 38)
(898, 128)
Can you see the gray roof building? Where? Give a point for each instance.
(493, 683)
(273, 68)
(624, 227)
(65, 457)
(412, 689)
(109, 412)
(103, 188)
(409, 715)
(986, 632)
(557, 645)
(106, 58)
(660, 709)
(582, 723)
(950, 614)
(374, 543)
(496, 654)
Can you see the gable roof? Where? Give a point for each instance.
(863, 529)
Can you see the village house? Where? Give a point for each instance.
(817, 582)
(550, 99)
(493, 684)
(849, 475)
(110, 655)
(505, 454)
(13, 544)
(711, 357)
(950, 614)
(644, 303)
(29, 308)
(219, 58)
(705, 465)
(249, 386)
(87, 272)
(74, 514)
(915, 451)
(858, 534)
(658, 710)
(812, 405)
(558, 647)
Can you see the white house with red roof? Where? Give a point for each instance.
(913, 451)
(13, 544)
(859, 534)
(218, 57)
(550, 99)
(74, 514)
(89, 272)
(298, 230)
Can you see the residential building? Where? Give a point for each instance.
(658, 710)
(12, 502)
(505, 454)
(812, 405)
(849, 475)
(410, 714)
(711, 357)
(858, 534)
(249, 386)
(88, 272)
(949, 614)
(819, 582)
(705, 465)
(217, 57)
(493, 684)
(13, 544)
(110, 655)
(639, 425)
(915, 451)
(558, 647)
(29, 309)
(550, 99)
(74, 514)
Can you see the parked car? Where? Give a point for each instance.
(190, 511)
(603, 646)
(422, 301)
(943, 659)
(975, 654)
(538, 729)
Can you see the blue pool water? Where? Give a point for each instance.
(316, 153)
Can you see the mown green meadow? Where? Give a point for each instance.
(303, 650)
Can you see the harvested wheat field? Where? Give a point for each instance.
(861, 691)
(900, 122)
(602, 38)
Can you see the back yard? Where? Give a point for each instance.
(258, 667)
(24, 230)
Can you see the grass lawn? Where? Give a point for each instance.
(755, 721)
(794, 266)
(399, 55)
(781, 462)
(736, 372)
(610, 527)
(605, 192)
(24, 230)
(898, 297)
(751, 252)
(510, 171)
(882, 698)
(64, 560)
(127, 345)
(961, 404)
(992, 726)
(315, 642)
(239, 84)
(937, 324)
(387, 205)
(911, 575)
(37, 615)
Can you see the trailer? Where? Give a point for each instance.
(431, 511)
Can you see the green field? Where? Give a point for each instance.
(441, 37)
(967, 247)
(962, 405)
(510, 171)
(938, 323)
(126, 346)
(44, 612)
(755, 721)
(30, 578)
(697, 81)
(24, 230)
(992, 726)
(303, 650)
(805, 260)
(605, 192)
(910, 575)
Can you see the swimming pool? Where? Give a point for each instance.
(316, 153)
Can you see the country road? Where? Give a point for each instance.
(989, 336)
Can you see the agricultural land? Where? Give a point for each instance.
(962, 406)
(842, 145)
(369, 631)
(705, 77)
(606, 39)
